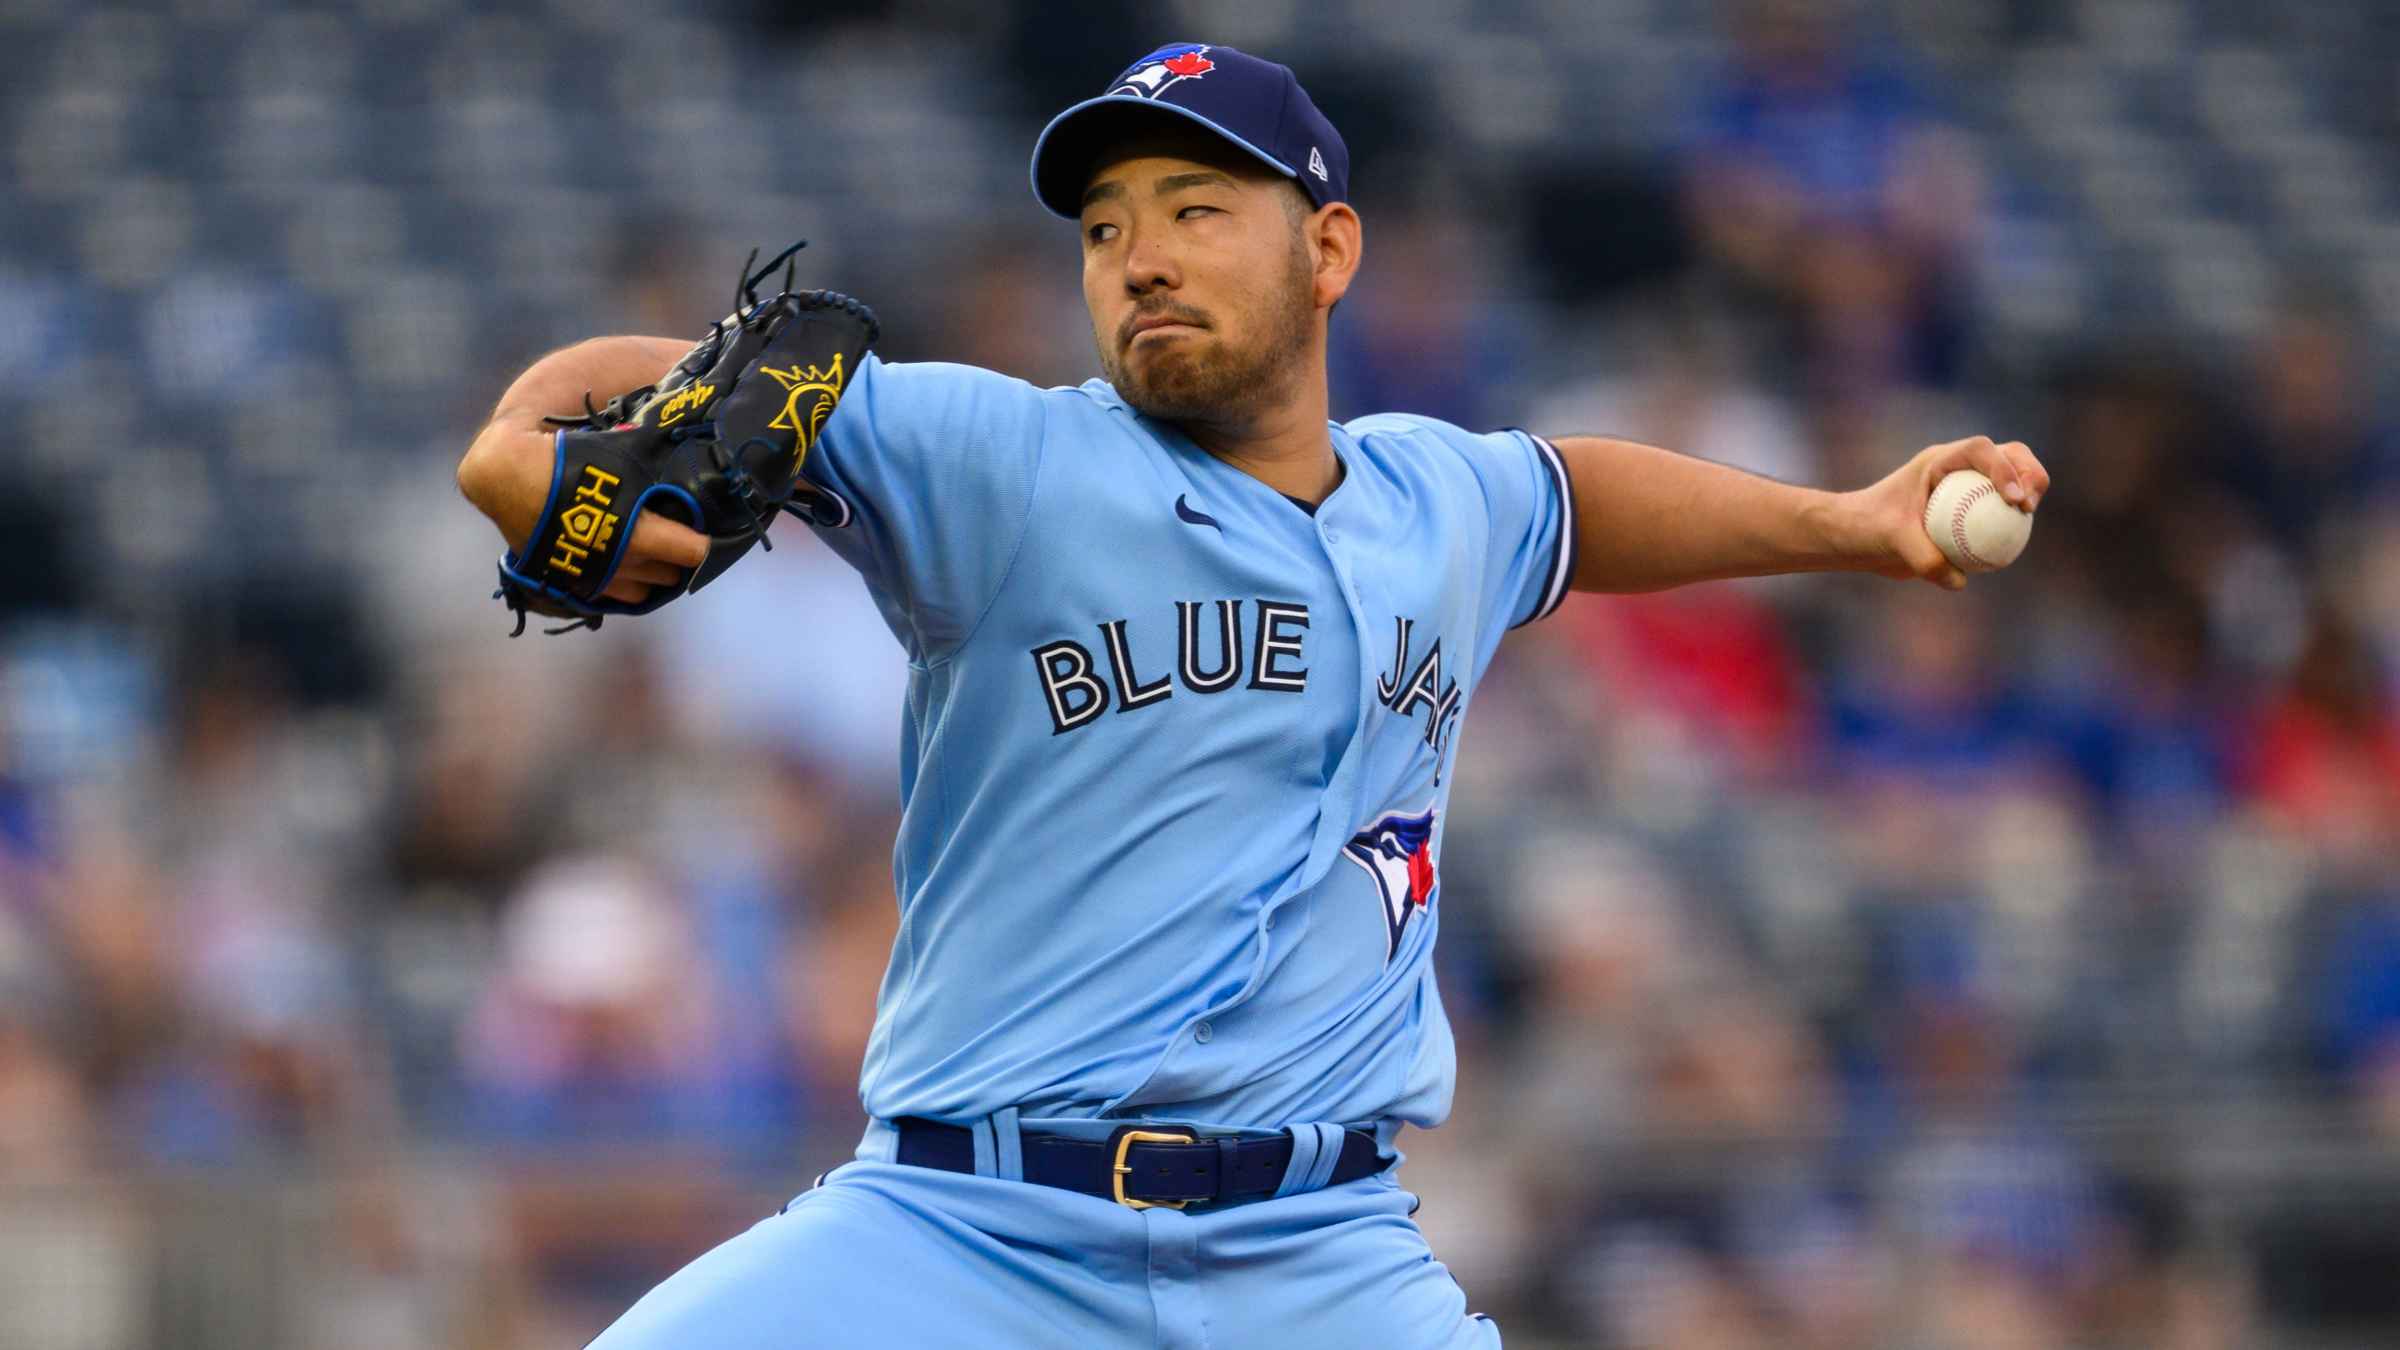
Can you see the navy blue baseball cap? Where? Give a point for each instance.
(1257, 105)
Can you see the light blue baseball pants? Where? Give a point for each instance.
(880, 1255)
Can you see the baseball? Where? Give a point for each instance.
(1974, 525)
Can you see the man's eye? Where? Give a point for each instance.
(1101, 233)
(1190, 209)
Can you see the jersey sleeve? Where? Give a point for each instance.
(926, 475)
(1533, 524)
(1528, 503)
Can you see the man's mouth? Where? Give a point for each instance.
(1159, 323)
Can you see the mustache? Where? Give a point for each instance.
(1175, 313)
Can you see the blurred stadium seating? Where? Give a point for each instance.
(1834, 963)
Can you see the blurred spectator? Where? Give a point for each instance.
(1416, 334)
(597, 1025)
(1820, 180)
(267, 1061)
(789, 651)
(2309, 442)
(2324, 751)
(1718, 662)
(1013, 305)
(2361, 1010)
(2366, 575)
(1687, 386)
(1926, 696)
(1714, 661)
(471, 780)
(45, 1116)
(831, 969)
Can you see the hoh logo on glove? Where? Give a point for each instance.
(588, 525)
(799, 383)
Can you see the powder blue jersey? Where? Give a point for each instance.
(1176, 750)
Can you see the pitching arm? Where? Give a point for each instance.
(1647, 519)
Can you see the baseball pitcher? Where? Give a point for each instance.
(1189, 664)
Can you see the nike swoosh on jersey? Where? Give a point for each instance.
(1183, 509)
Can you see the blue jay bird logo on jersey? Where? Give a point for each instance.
(1397, 851)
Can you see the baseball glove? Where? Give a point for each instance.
(717, 444)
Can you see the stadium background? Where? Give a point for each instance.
(1835, 963)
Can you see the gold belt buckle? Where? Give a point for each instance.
(1124, 1169)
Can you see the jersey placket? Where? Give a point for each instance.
(1332, 829)
(1338, 809)
(1337, 804)
(1326, 528)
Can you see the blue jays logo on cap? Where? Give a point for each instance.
(1150, 76)
(1256, 105)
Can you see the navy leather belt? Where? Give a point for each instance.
(1142, 1166)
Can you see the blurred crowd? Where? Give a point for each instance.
(1834, 962)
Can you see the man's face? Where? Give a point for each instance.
(1199, 281)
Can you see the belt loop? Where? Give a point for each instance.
(1008, 1146)
(1329, 1155)
(986, 1161)
(1312, 1159)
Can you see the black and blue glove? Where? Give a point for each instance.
(716, 444)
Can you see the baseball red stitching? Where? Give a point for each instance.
(1958, 521)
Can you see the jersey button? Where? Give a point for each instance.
(1202, 1032)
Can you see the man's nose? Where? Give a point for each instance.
(1150, 266)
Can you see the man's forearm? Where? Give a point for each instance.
(602, 367)
(1648, 519)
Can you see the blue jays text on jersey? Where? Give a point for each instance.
(1173, 764)
(1076, 696)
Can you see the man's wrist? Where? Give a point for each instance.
(1838, 533)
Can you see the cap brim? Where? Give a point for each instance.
(1063, 154)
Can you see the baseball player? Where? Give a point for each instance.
(1188, 664)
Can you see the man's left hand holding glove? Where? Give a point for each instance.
(696, 462)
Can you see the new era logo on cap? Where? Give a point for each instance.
(1257, 105)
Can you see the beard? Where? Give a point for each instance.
(1202, 377)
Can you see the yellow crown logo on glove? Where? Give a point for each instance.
(798, 383)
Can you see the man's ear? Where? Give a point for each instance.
(1334, 243)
